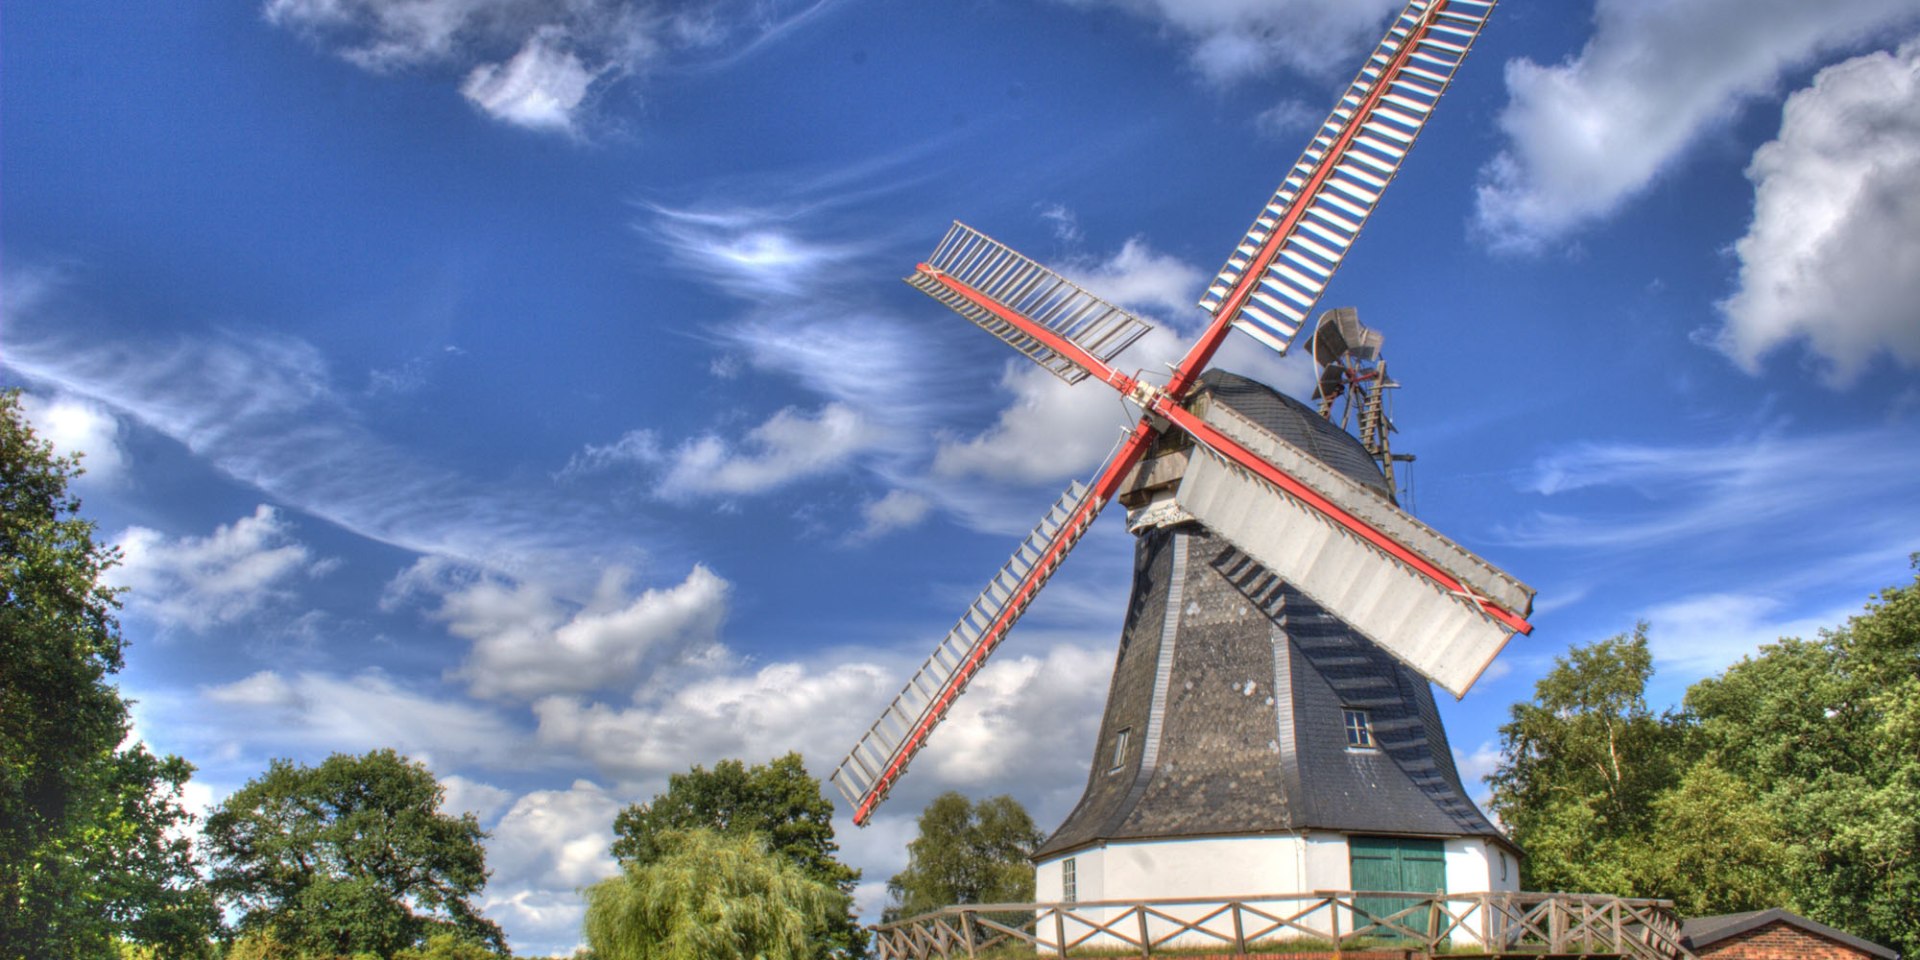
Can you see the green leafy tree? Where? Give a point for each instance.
(966, 853)
(1581, 766)
(777, 801)
(350, 856)
(1831, 728)
(89, 848)
(709, 895)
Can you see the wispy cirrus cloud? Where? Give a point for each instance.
(1587, 135)
(1833, 254)
(265, 410)
(531, 63)
(1775, 486)
(756, 254)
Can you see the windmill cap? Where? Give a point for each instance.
(1296, 423)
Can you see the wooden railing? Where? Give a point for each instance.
(1502, 924)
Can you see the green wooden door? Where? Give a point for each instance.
(1396, 864)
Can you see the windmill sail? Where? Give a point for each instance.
(1444, 632)
(881, 756)
(1283, 263)
(1014, 282)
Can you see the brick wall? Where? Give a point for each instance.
(1780, 941)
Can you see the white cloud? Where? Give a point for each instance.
(1749, 494)
(1474, 769)
(562, 48)
(202, 582)
(1702, 635)
(1051, 431)
(1287, 120)
(1833, 254)
(791, 445)
(528, 643)
(1230, 40)
(268, 712)
(264, 411)
(543, 850)
(1004, 735)
(898, 510)
(1587, 135)
(540, 88)
(749, 253)
(483, 800)
(78, 426)
(1140, 278)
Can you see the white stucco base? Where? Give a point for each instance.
(1214, 870)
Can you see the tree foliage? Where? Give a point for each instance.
(966, 853)
(90, 849)
(778, 801)
(1788, 781)
(708, 895)
(350, 856)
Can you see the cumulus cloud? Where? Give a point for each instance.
(546, 847)
(898, 510)
(75, 425)
(540, 88)
(1590, 133)
(1053, 430)
(528, 642)
(791, 445)
(203, 582)
(268, 712)
(1231, 40)
(1833, 254)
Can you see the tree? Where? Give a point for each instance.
(338, 858)
(85, 851)
(1581, 766)
(1831, 727)
(709, 895)
(778, 801)
(966, 853)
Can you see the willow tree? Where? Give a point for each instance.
(709, 896)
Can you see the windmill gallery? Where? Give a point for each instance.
(1269, 724)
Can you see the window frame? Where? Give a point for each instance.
(1357, 723)
(1069, 881)
(1121, 741)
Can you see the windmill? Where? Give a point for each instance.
(1269, 721)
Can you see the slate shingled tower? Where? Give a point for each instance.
(1228, 719)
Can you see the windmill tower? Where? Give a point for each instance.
(1269, 724)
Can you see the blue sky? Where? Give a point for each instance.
(529, 386)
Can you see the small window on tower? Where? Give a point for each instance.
(1120, 749)
(1069, 884)
(1359, 729)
